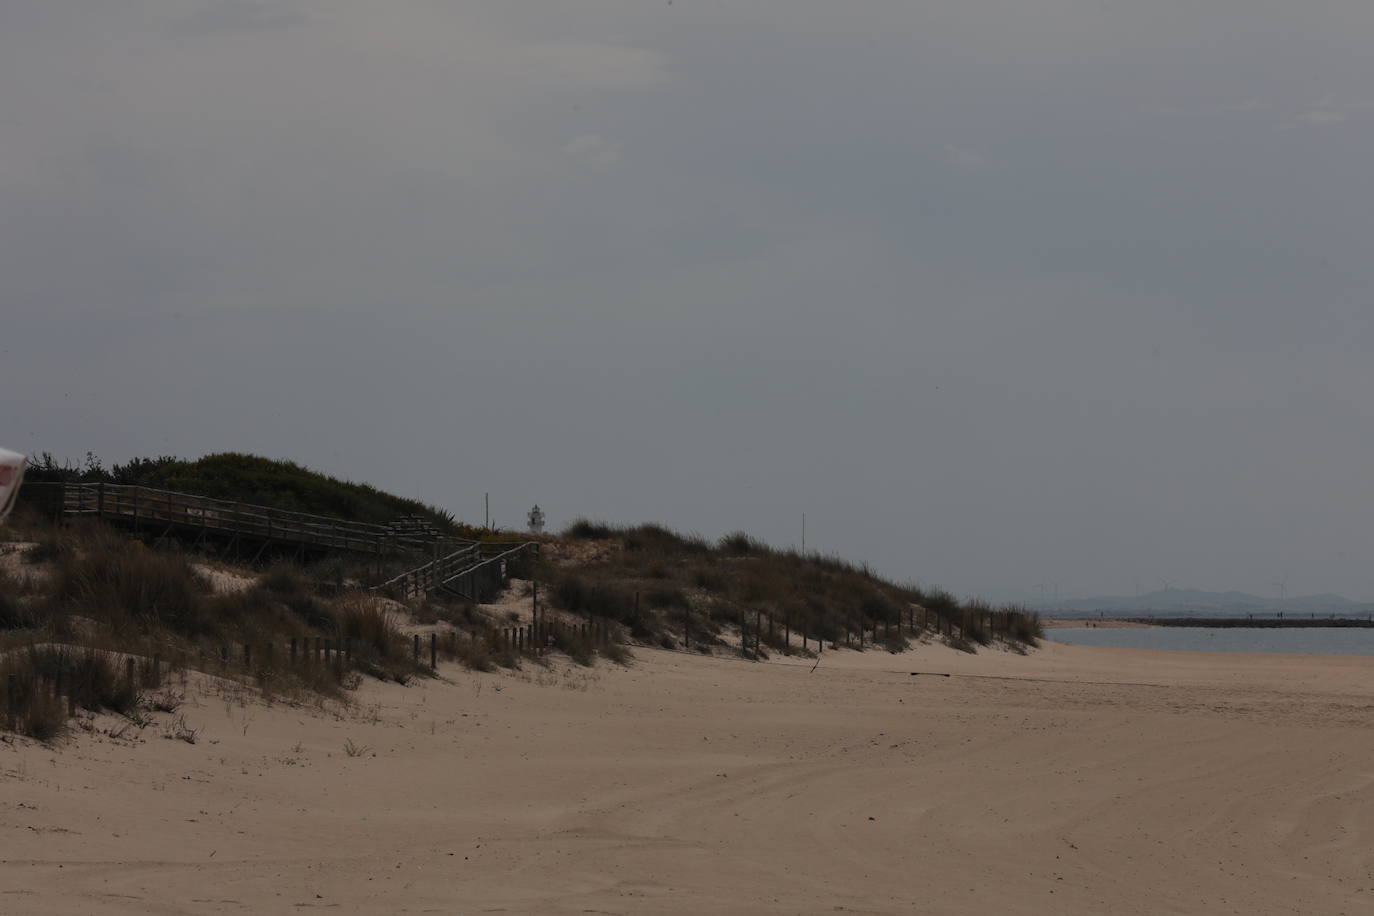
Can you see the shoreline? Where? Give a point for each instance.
(1108, 623)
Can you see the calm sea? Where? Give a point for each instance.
(1307, 640)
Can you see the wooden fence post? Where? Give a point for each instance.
(434, 651)
(417, 647)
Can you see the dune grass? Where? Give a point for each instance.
(663, 585)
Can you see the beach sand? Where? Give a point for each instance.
(1070, 780)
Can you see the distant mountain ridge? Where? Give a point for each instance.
(1197, 603)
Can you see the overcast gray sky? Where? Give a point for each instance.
(998, 292)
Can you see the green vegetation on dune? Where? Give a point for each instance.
(668, 586)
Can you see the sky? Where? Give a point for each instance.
(1014, 297)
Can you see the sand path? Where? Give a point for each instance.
(1073, 780)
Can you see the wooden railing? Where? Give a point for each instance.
(140, 506)
(464, 564)
(430, 575)
(487, 571)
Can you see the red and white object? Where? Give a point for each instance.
(11, 473)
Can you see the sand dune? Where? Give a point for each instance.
(1072, 780)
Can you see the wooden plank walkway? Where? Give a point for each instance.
(168, 512)
(461, 566)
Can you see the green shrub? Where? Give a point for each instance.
(15, 612)
(666, 598)
(577, 595)
(131, 588)
(584, 529)
(741, 545)
(33, 710)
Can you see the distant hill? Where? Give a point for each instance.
(1190, 602)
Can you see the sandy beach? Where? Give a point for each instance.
(1070, 780)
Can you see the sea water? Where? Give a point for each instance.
(1303, 640)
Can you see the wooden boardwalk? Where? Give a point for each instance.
(470, 572)
(168, 513)
(460, 566)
